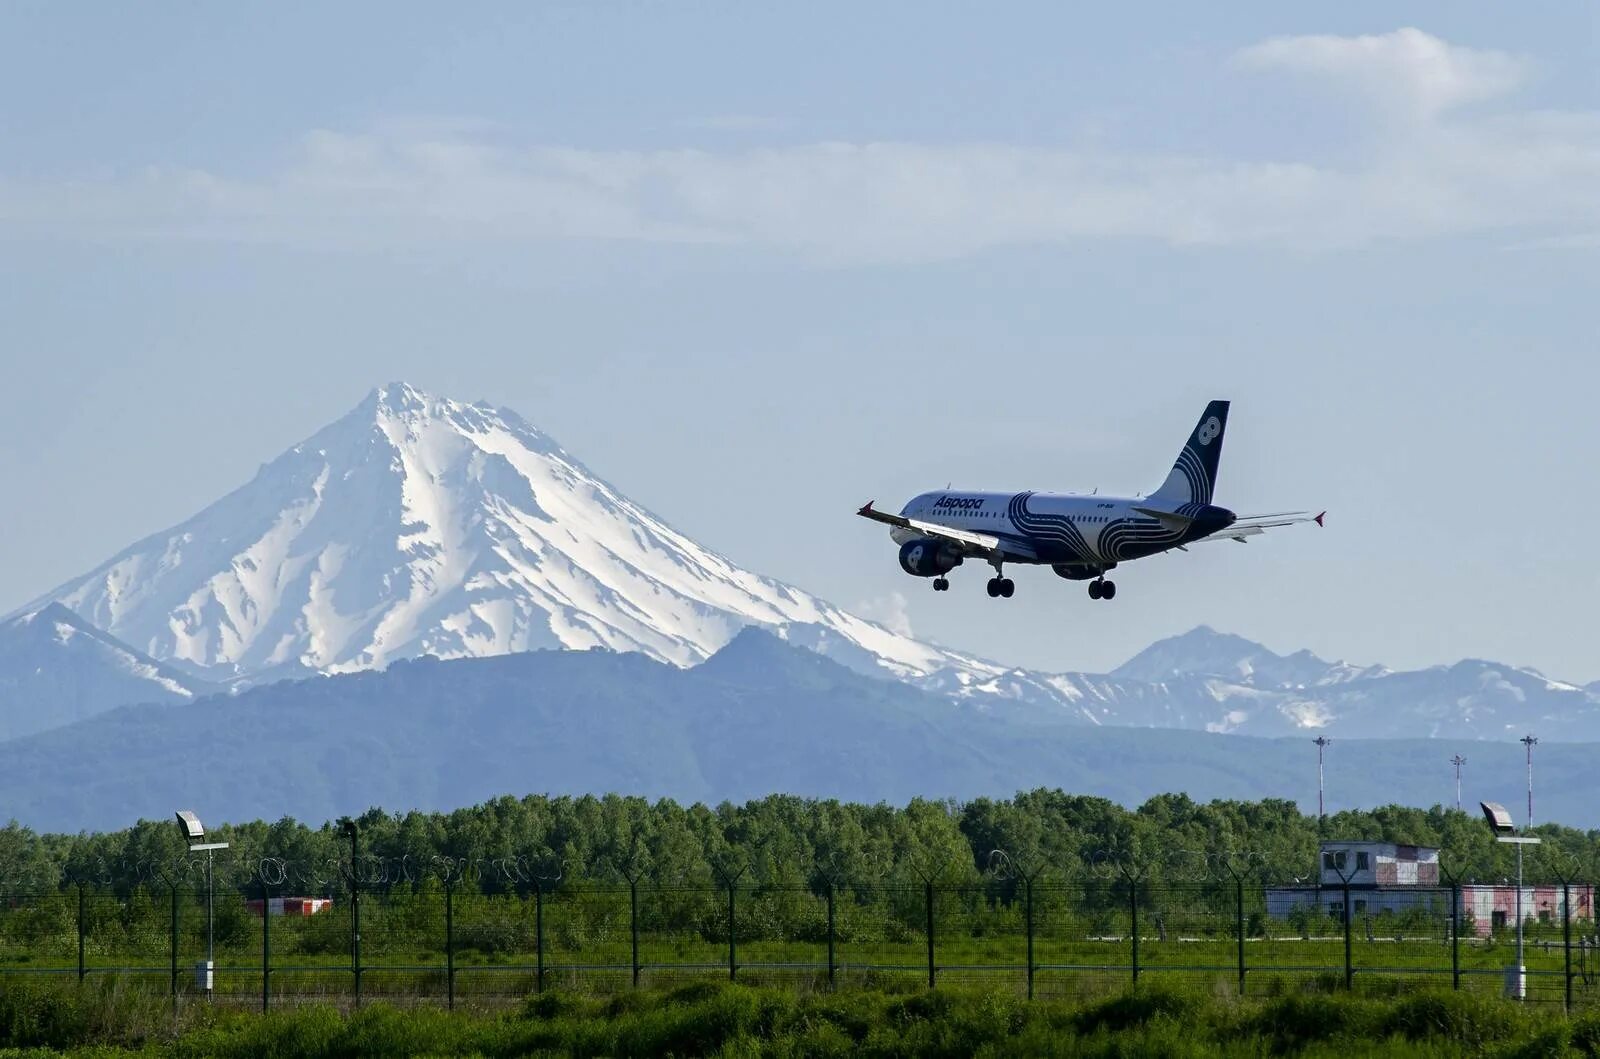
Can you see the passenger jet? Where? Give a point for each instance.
(1080, 537)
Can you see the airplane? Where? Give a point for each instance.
(1080, 537)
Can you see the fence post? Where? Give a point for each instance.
(1027, 918)
(538, 933)
(1349, 967)
(928, 900)
(1133, 909)
(1455, 936)
(1238, 921)
(174, 944)
(355, 930)
(831, 964)
(733, 966)
(633, 925)
(83, 928)
(450, 944)
(266, 946)
(1566, 937)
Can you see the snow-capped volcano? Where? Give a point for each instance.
(416, 526)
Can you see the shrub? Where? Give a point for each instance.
(1135, 1008)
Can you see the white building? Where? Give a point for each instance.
(1388, 877)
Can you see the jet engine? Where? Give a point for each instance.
(928, 558)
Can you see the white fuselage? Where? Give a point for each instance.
(1070, 529)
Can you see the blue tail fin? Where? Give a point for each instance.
(1194, 475)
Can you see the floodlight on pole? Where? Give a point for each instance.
(1505, 831)
(1458, 761)
(194, 836)
(1530, 741)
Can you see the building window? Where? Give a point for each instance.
(1361, 906)
(1361, 862)
(1333, 860)
(1497, 920)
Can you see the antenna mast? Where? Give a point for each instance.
(1458, 761)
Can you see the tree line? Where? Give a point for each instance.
(510, 843)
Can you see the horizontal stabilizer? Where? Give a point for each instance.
(1170, 519)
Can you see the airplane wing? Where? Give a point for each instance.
(981, 544)
(1255, 525)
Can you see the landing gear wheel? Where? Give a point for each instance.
(1007, 586)
(993, 587)
(941, 584)
(1108, 590)
(1094, 590)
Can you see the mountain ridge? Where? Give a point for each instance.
(767, 718)
(416, 526)
(56, 668)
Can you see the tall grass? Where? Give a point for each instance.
(735, 1021)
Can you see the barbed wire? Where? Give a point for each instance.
(545, 870)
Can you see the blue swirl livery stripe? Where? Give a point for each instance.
(1131, 538)
(1056, 531)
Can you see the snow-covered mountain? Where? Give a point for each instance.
(418, 526)
(56, 668)
(421, 526)
(1225, 683)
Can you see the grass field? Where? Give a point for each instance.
(107, 1019)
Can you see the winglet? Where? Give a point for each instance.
(866, 510)
(1317, 520)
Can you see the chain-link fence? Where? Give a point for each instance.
(443, 939)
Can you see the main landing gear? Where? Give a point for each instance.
(1100, 588)
(941, 584)
(999, 585)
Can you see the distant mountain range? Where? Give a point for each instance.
(429, 603)
(760, 716)
(422, 527)
(56, 668)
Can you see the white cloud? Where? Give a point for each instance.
(1531, 174)
(1408, 70)
(891, 611)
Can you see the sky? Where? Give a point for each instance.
(757, 265)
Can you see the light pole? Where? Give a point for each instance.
(194, 833)
(1322, 742)
(1530, 741)
(1505, 831)
(1458, 761)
